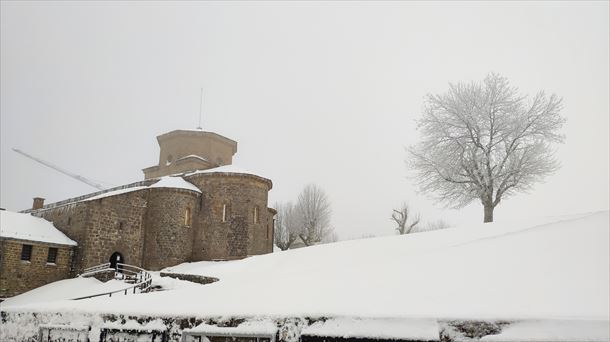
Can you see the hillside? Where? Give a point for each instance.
(554, 268)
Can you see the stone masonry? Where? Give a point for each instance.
(224, 216)
(19, 276)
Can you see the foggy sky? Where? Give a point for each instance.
(323, 93)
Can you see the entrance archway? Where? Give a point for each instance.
(116, 258)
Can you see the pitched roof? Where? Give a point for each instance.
(31, 228)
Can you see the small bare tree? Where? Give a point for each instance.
(405, 219)
(485, 141)
(286, 229)
(314, 213)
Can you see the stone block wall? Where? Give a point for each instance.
(238, 235)
(169, 234)
(71, 220)
(18, 276)
(149, 229)
(115, 224)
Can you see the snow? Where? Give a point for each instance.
(555, 331)
(225, 169)
(196, 267)
(164, 182)
(64, 326)
(81, 287)
(247, 328)
(31, 228)
(193, 156)
(388, 328)
(545, 269)
(154, 325)
(174, 182)
(114, 193)
(62, 289)
(66, 289)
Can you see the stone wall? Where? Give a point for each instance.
(238, 235)
(115, 224)
(270, 228)
(18, 276)
(149, 229)
(194, 278)
(71, 220)
(169, 234)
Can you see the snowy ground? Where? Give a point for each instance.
(81, 287)
(551, 269)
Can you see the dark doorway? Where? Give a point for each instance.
(116, 258)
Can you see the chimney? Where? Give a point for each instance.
(38, 203)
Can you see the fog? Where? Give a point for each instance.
(323, 92)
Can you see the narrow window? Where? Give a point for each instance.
(255, 214)
(187, 217)
(52, 256)
(26, 252)
(121, 225)
(69, 220)
(224, 213)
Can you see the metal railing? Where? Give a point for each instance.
(141, 279)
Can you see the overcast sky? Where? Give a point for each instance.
(323, 93)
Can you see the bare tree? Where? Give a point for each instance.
(314, 215)
(405, 219)
(286, 229)
(485, 141)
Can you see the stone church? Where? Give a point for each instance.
(194, 205)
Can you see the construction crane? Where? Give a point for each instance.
(59, 169)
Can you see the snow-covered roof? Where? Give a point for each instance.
(114, 193)
(545, 269)
(176, 183)
(225, 169)
(383, 328)
(31, 228)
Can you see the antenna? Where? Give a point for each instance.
(200, 107)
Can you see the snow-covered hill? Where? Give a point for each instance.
(555, 268)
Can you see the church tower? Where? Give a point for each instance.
(191, 150)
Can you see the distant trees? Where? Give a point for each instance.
(435, 225)
(307, 221)
(405, 219)
(486, 142)
(286, 230)
(314, 212)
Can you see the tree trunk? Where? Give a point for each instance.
(489, 213)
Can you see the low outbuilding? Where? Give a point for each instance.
(32, 253)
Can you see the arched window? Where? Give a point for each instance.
(187, 217)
